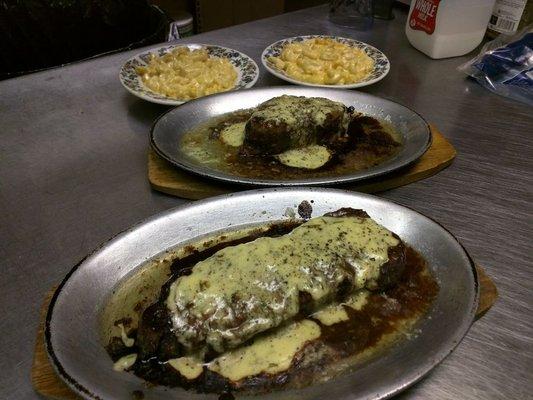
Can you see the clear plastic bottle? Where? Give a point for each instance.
(447, 28)
(509, 16)
(355, 14)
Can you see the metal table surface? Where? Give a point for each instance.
(73, 154)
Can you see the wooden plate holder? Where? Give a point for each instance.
(166, 178)
(46, 382)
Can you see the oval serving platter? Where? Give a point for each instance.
(72, 332)
(169, 129)
(246, 68)
(381, 62)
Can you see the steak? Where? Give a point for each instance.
(391, 271)
(289, 122)
(249, 288)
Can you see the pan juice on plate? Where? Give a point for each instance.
(292, 137)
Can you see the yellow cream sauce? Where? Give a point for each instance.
(125, 362)
(233, 135)
(273, 352)
(334, 313)
(189, 367)
(310, 157)
(270, 353)
(267, 275)
(290, 109)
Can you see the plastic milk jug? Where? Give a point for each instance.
(447, 28)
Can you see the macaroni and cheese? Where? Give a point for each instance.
(187, 74)
(324, 61)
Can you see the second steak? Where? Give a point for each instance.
(289, 122)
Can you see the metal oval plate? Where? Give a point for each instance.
(167, 132)
(72, 324)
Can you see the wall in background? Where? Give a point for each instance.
(215, 14)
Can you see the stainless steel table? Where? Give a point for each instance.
(73, 155)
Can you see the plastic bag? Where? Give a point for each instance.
(505, 66)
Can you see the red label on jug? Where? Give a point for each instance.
(424, 15)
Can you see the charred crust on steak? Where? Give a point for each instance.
(393, 269)
(347, 212)
(305, 209)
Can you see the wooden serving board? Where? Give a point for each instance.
(48, 384)
(166, 178)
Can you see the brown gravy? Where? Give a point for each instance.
(374, 143)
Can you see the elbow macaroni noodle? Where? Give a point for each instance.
(187, 74)
(324, 61)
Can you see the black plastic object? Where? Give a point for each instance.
(39, 34)
(383, 9)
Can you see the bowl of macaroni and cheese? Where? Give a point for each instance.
(175, 74)
(325, 61)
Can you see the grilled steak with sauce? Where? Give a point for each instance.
(289, 122)
(396, 288)
(250, 288)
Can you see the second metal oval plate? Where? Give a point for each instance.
(72, 327)
(167, 132)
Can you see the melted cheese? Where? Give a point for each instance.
(291, 110)
(128, 342)
(264, 278)
(271, 353)
(302, 118)
(125, 362)
(205, 156)
(189, 367)
(310, 157)
(233, 135)
(335, 313)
